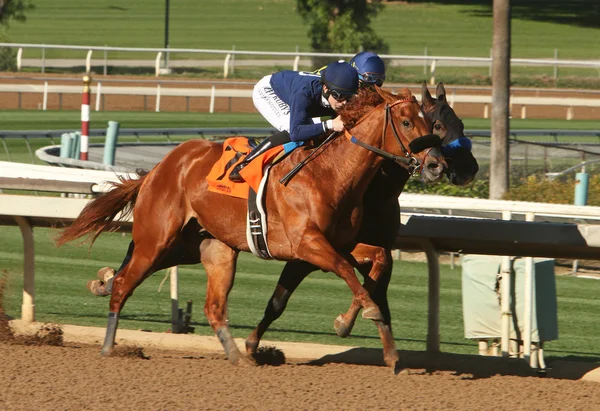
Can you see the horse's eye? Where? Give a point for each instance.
(406, 123)
(437, 127)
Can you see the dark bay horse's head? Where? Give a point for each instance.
(405, 134)
(462, 165)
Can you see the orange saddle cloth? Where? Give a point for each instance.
(235, 150)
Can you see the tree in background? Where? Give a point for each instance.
(14, 10)
(341, 26)
(11, 10)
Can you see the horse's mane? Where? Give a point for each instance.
(366, 99)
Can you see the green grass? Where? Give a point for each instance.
(61, 297)
(273, 25)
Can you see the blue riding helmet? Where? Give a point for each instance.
(341, 80)
(370, 67)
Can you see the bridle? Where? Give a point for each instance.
(412, 164)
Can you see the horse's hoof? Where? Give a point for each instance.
(251, 347)
(393, 361)
(105, 352)
(105, 274)
(372, 313)
(97, 287)
(241, 360)
(341, 328)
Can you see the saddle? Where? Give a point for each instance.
(253, 189)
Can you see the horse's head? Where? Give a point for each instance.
(462, 166)
(408, 121)
(397, 125)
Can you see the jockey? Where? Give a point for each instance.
(290, 99)
(370, 68)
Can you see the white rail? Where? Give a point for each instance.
(213, 92)
(428, 233)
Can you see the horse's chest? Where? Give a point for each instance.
(347, 225)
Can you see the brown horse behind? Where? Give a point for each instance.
(178, 221)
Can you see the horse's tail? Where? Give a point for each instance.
(98, 214)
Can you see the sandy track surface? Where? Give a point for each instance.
(75, 377)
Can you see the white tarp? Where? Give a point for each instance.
(481, 303)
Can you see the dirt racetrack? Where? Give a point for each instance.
(75, 377)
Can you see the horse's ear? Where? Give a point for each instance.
(386, 95)
(440, 92)
(426, 98)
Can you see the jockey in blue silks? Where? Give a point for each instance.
(289, 100)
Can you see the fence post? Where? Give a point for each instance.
(98, 95)
(157, 64)
(105, 70)
(296, 60)
(85, 117)
(581, 187)
(175, 312)
(211, 106)
(432, 79)
(88, 62)
(226, 65)
(110, 143)
(19, 58)
(505, 310)
(45, 97)
(157, 109)
(65, 145)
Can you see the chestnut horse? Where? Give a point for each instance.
(178, 221)
(380, 228)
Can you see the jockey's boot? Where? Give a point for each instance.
(277, 139)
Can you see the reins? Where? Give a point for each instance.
(412, 163)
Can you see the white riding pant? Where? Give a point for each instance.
(272, 108)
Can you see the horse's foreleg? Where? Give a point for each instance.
(292, 275)
(219, 261)
(361, 255)
(315, 249)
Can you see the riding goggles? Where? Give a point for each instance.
(372, 78)
(339, 96)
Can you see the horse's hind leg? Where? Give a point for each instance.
(379, 260)
(219, 261)
(137, 269)
(292, 275)
(151, 244)
(103, 286)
